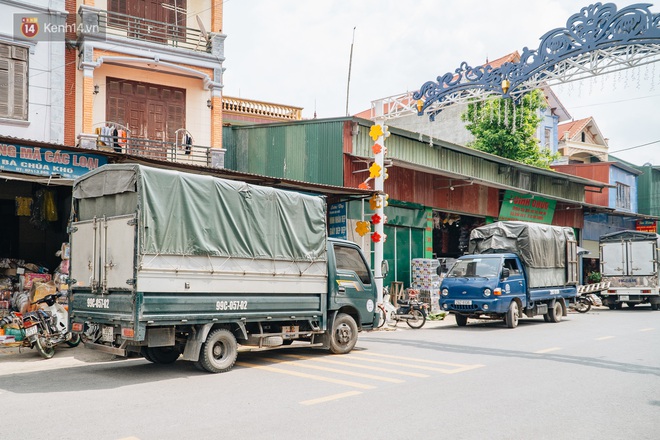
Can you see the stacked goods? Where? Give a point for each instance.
(426, 280)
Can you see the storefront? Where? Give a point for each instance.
(35, 199)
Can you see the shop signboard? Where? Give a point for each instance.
(337, 220)
(527, 208)
(646, 226)
(41, 161)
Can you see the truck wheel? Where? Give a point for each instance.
(555, 312)
(655, 306)
(162, 355)
(511, 318)
(344, 334)
(219, 351)
(461, 320)
(630, 305)
(546, 317)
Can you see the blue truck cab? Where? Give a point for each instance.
(495, 282)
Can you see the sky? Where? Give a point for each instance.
(297, 53)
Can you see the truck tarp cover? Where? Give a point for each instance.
(537, 245)
(190, 214)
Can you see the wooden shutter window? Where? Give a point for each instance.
(4, 88)
(13, 82)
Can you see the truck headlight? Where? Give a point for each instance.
(445, 292)
(487, 292)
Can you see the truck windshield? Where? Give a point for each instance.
(476, 267)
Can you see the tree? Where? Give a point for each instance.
(508, 130)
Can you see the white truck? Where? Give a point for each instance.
(629, 261)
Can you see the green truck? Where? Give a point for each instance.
(175, 265)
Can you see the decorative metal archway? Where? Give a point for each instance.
(597, 40)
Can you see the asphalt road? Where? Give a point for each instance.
(591, 376)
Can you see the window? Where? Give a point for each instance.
(512, 265)
(13, 82)
(548, 137)
(350, 259)
(622, 196)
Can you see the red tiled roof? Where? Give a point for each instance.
(572, 128)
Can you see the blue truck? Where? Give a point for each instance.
(512, 270)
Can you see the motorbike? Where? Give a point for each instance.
(411, 310)
(586, 301)
(45, 328)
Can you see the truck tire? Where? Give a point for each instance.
(554, 312)
(655, 306)
(461, 320)
(219, 351)
(344, 334)
(512, 315)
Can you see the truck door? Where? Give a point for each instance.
(103, 253)
(641, 261)
(514, 285)
(355, 284)
(613, 259)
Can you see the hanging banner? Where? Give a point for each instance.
(47, 162)
(527, 208)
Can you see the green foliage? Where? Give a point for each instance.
(594, 277)
(497, 130)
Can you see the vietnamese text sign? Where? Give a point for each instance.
(337, 220)
(527, 208)
(646, 226)
(47, 162)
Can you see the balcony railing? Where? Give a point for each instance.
(260, 109)
(157, 150)
(136, 28)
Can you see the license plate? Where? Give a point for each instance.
(463, 302)
(107, 334)
(624, 297)
(31, 331)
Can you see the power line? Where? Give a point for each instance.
(636, 146)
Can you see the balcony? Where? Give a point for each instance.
(104, 24)
(246, 110)
(164, 151)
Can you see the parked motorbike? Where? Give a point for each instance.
(44, 329)
(586, 301)
(411, 310)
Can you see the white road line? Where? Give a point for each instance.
(547, 350)
(330, 398)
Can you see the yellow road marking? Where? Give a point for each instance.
(402, 358)
(647, 329)
(548, 350)
(307, 376)
(330, 398)
(603, 338)
(364, 367)
(421, 367)
(335, 370)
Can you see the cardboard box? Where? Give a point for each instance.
(30, 278)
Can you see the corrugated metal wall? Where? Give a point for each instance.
(648, 190)
(310, 152)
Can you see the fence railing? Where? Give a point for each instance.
(258, 108)
(136, 28)
(158, 150)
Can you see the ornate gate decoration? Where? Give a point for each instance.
(599, 39)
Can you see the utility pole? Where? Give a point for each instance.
(350, 62)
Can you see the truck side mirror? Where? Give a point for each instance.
(505, 272)
(384, 268)
(438, 270)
